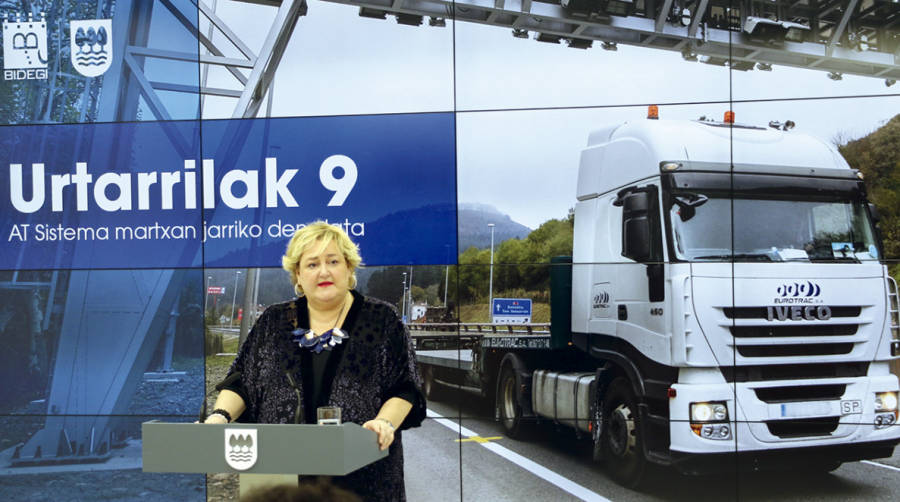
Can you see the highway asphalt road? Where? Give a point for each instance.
(554, 465)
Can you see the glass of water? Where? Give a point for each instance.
(328, 415)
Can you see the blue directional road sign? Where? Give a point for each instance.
(511, 310)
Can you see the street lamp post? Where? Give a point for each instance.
(403, 298)
(233, 298)
(206, 296)
(491, 279)
(409, 307)
(446, 283)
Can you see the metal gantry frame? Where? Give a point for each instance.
(859, 37)
(251, 87)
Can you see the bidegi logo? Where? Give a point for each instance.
(91, 46)
(798, 292)
(25, 48)
(241, 448)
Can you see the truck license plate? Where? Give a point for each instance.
(807, 409)
(851, 407)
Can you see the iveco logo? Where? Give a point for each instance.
(821, 313)
(601, 300)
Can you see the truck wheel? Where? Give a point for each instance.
(430, 388)
(596, 428)
(508, 403)
(622, 435)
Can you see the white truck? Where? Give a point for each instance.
(724, 296)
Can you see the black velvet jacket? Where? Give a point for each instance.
(376, 362)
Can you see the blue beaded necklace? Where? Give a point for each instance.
(308, 339)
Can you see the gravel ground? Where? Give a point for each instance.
(169, 401)
(122, 486)
(219, 487)
(181, 398)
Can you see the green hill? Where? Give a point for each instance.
(877, 156)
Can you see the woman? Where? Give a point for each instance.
(330, 347)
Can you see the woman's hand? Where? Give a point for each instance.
(384, 429)
(215, 418)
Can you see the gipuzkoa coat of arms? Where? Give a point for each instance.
(91, 46)
(241, 448)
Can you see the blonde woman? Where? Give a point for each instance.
(331, 346)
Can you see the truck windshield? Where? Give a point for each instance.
(773, 230)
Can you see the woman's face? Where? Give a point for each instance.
(324, 274)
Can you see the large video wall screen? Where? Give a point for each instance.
(156, 157)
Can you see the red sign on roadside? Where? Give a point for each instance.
(215, 290)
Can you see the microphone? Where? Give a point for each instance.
(294, 386)
(230, 379)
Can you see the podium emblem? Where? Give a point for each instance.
(241, 448)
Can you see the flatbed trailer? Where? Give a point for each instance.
(470, 359)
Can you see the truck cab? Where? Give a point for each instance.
(729, 279)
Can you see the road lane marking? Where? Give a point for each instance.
(525, 463)
(478, 439)
(879, 464)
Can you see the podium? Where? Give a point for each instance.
(262, 454)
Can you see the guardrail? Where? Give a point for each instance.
(475, 328)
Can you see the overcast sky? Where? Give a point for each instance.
(524, 162)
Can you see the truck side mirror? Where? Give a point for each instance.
(873, 211)
(687, 204)
(641, 234)
(636, 227)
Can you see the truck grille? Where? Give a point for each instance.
(776, 331)
(763, 373)
(803, 427)
(754, 335)
(796, 393)
(813, 349)
(760, 312)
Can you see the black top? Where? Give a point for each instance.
(318, 383)
(374, 363)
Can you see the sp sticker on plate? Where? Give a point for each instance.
(851, 407)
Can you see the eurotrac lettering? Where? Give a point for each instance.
(795, 300)
(87, 187)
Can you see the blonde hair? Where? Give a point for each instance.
(319, 232)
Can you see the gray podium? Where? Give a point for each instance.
(262, 454)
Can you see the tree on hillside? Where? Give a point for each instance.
(519, 264)
(386, 283)
(417, 293)
(472, 273)
(877, 156)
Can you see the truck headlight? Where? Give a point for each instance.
(885, 401)
(714, 411)
(710, 420)
(885, 409)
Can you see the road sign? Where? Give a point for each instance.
(215, 290)
(511, 311)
